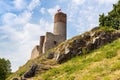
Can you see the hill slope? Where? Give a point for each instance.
(94, 63)
(101, 64)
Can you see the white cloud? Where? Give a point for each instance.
(24, 35)
(52, 11)
(20, 19)
(106, 1)
(8, 17)
(78, 2)
(19, 4)
(22, 40)
(42, 10)
(33, 4)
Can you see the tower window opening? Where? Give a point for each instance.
(55, 42)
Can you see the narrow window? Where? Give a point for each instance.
(55, 42)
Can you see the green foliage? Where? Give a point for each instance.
(111, 54)
(4, 68)
(108, 29)
(90, 66)
(21, 73)
(112, 19)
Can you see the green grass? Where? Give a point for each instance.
(101, 64)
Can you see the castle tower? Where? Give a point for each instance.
(60, 20)
(51, 40)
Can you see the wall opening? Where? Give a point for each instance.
(55, 42)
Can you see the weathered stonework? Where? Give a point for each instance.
(50, 40)
(35, 52)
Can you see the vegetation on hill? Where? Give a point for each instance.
(5, 68)
(49, 69)
(112, 20)
(101, 64)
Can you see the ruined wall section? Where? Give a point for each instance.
(51, 41)
(35, 52)
(42, 38)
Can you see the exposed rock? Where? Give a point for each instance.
(90, 46)
(64, 57)
(95, 28)
(15, 79)
(85, 44)
(79, 43)
(22, 78)
(31, 72)
(87, 37)
(50, 55)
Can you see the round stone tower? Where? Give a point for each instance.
(60, 20)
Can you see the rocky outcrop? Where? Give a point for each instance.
(18, 79)
(31, 72)
(84, 44)
(50, 55)
(15, 79)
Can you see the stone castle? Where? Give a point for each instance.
(50, 40)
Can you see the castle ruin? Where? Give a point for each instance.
(50, 40)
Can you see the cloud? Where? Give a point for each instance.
(42, 10)
(78, 2)
(19, 4)
(4, 7)
(20, 31)
(23, 36)
(106, 1)
(52, 11)
(33, 4)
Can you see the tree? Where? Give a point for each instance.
(112, 20)
(101, 19)
(5, 68)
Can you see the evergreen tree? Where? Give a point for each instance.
(4, 68)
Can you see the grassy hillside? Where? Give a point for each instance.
(101, 64)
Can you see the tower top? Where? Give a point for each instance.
(60, 17)
(59, 10)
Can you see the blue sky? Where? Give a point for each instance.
(23, 21)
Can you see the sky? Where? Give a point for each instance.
(22, 22)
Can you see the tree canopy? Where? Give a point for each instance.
(112, 19)
(5, 68)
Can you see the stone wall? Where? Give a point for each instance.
(51, 41)
(42, 38)
(35, 52)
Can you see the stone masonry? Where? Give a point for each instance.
(50, 40)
